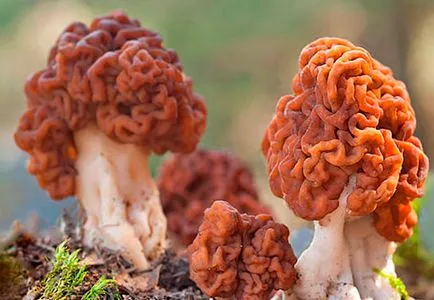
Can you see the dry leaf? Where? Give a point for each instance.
(139, 283)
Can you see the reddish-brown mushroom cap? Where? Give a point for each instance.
(347, 115)
(396, 219)
(188, 184)
(241, 256)
(114, 73)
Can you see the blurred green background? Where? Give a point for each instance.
(241, 54)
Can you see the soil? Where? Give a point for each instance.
(25, 262)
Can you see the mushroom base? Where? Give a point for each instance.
(369, 251)
(340, 260)
(119, 198)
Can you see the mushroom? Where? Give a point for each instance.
(341, 152)
(189, 183)
(110, 95)
(240, 256)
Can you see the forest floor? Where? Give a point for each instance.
(27, 260)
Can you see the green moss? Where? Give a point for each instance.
(395, 282)
(66, 274)
(11, 276)
(100, 288)
(67, 278)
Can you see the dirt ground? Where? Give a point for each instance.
(29, 261)
(26, 260)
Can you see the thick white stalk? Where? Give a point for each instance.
(369, 250)
(119, 197)
(324, 268)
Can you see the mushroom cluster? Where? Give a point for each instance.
(241, 256)
(341, 151)
(190, 183)
(109, 96)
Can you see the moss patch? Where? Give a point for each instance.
(66, 274)
(11, 277)
(54, 270)
(100, 288)
(66, 279)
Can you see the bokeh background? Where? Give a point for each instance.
(241, 55)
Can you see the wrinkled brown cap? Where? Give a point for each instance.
(395, 219)
(241, 256)
(347, 115)
(188, 184)
(117, 74)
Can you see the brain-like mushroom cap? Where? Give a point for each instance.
(188, 184)
(117, 74)
(240, 255)
(347, 115)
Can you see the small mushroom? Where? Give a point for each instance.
(341, 152)
(109, 96)
(240, 256)
(189, 183)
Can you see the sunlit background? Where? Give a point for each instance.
(241, 56)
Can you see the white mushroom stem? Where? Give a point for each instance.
(369, 250)
(119, 197)
(324, 268)
(340, 260)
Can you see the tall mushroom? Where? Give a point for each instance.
(240, 256)
(341, 152)
(190, 183)
(110, 95)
